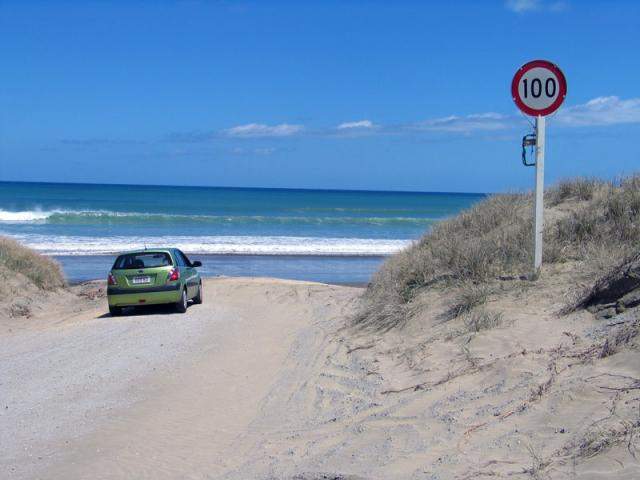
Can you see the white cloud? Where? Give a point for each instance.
(601, 111)
(523, 6)
(359, 124)
(264, 151)
(470, 123)
(253, 151)
(520, 6)
(261, 130)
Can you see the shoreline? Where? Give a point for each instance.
(326, 269)
(79, 284)
(224, 255)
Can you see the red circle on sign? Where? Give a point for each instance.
(562, 84)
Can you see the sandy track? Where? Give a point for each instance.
(155, 395)
(262, 382)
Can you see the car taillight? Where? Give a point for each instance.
(111, 280)
(174, 275)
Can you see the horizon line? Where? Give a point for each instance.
(247, 188)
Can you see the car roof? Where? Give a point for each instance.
(148, 250)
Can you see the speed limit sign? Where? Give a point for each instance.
(539, 88)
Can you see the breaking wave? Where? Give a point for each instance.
(62, 217)
(221, 245)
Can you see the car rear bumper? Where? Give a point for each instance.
(122, 297)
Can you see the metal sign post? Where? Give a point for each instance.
(538, 88)
(539, 207)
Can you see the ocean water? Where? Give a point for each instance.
(322, 235)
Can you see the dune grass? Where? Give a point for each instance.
(44, 272)
(578, 188)
(480, 319)
(592, 221)
(467, 298)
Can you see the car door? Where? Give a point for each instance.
(190, 275)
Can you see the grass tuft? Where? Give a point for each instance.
(44, 272)
(581, 189)
(602, 438)
(468, 297)
(480, 320)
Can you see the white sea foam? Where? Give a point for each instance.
(38, 216)
(24, 217)
(224, 245)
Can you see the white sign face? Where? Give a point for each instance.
(539, 88)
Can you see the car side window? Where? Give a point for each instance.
(185, 260)
(179, 259)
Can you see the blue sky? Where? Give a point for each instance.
(365, 95)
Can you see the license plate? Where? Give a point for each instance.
(141, 280)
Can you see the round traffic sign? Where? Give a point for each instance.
(539, 88)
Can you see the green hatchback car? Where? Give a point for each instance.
(152, 277)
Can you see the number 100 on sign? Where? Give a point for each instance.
(539, 88)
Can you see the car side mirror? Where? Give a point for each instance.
(197, 263)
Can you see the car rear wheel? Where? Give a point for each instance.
(181, 306)
(115, 311)
(198, 298)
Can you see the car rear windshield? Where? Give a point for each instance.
(142, 260)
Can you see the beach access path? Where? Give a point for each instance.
(154, 394)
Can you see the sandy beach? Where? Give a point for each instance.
(280, 387)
